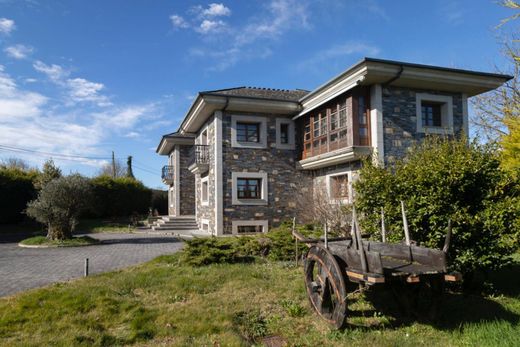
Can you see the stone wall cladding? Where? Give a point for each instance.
(284, 181)
(207, 212)
(186, 182)
(400, 119)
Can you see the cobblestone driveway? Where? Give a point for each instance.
(25, 268)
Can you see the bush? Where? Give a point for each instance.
(121, 196)
(16, 190)
(440, 180)
(160, 201)
(60, 203)
(277, 245)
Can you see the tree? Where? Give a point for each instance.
(511, 146)
(60, 203)
(129, 171)
(49, 172)
(441, 180)
(108, 170)
(15, 163)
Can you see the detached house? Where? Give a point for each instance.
(242, 157)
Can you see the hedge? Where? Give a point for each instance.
(16, 190)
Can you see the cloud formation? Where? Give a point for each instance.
(6, 26)
(18, 51)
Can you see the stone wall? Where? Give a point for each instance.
(285, 183)
(400, 119)
(186, 182)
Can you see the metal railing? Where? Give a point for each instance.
(199, 154)
(167, 173)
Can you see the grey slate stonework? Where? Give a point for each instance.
(187, 183)
(284, 181)
(400, 119)
(207, 212)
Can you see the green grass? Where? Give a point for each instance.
(166, 303)
(74, 242)
(114, 225)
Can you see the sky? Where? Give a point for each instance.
(80, 79)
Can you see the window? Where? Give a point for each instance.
(339, 186)
(249, 226)
(249, 188)
(434, 113)
(284, 133)
(243, 229)
(204, 190)
(248, 132)
(431, 114)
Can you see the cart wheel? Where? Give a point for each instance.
(325, 285)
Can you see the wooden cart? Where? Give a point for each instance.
(330, 263)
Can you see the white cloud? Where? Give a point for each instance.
(6, 26)
(18, 51)
(179, 22)
(16, 104)
(133, 135)
(209, 26)
(54, 72)
(216, 10)
(82, 90)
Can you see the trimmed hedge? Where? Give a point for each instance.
(119, 197)
(16, 190)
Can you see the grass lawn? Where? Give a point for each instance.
(105, 225)
(165, 303)
(74, 242)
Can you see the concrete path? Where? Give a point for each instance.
(25, 268)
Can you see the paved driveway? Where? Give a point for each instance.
(25, 268)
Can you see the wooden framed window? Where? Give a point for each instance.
(249, 188)
(248, 132)
(431, 114)
(361, 119)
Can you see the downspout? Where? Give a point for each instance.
(396, 77)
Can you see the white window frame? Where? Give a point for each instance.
(236, 223)
(262, 121)
(202, 181)
(263, 189)
(291, 144)
(328, 179)
(446, 113)
(200, 137)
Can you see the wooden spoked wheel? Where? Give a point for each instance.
(326, 286)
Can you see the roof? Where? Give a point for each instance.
(260, 93)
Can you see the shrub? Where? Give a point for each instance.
(16, 190)
(440, 180)
(59, 204)
(121, 196)
(160, 201)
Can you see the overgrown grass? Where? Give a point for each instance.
(74, 242)
(165, 302)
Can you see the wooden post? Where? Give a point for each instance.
(326, 227)
(383, 229)
(295, 239)
(405, 225)
(353, 228)
(86, 267)
(361, 249)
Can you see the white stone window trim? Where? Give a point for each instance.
(328, 181)
(263, 189)
(236, 223)
(199, 137)
(249, 119)
(446, 127)
(291, 144)
(202, 181)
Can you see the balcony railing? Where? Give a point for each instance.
(199, 158)
(167, 174)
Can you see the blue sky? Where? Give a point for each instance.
(83, 78)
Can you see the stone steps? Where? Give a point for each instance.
(183, 223)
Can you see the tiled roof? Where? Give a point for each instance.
(261, 93)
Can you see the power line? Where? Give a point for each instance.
(57, 155)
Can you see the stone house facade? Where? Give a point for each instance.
(245, 159)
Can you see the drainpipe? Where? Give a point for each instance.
(396, 77)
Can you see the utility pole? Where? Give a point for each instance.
(113, 165)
